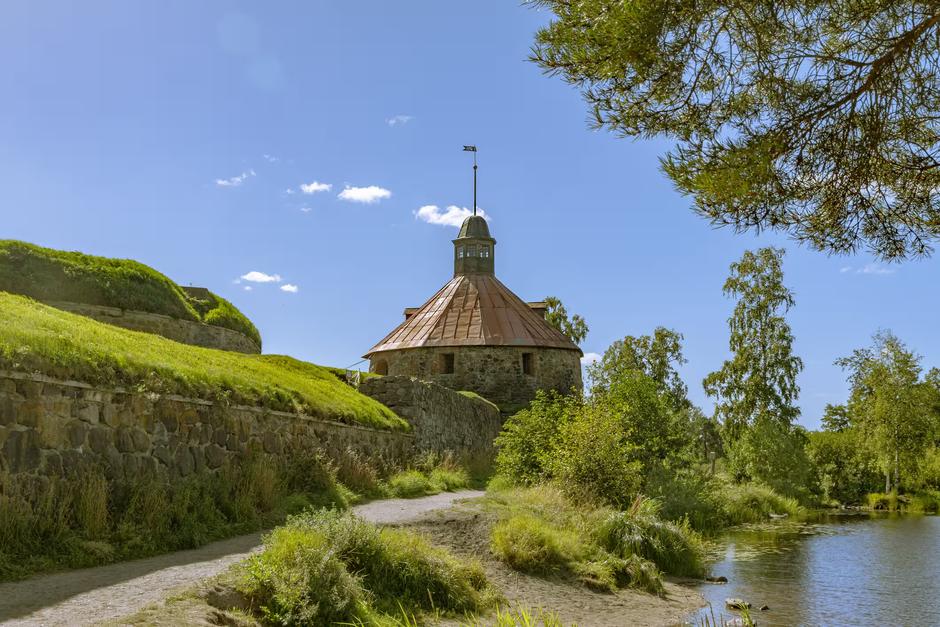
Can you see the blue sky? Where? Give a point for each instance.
(171, 133)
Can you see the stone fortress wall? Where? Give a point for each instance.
(184, 331)
(50, 426)
(443, 420)
(495, 372)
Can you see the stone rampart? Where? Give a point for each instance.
(49, 426)
(443, 420)
(184, 331)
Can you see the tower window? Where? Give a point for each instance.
(447, 363)
(471, 251)
(528, 364)
(460, 252)
(485, 252)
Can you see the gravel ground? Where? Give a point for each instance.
(93, 595)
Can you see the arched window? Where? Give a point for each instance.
(380, 367)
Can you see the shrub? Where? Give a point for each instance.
(594, 459)
(526, 444)
(674, 548)
(883, 501)
(359, 474)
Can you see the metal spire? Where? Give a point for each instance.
(473, 149)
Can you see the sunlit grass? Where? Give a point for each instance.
(38, 338)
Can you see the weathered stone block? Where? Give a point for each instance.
(100, 438)
(183, 461)
(87, 411)
(52, 431)
(124, 440)
(21, 450)
(141, 440)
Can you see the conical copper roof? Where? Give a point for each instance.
(474, 310)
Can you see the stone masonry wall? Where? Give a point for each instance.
(49, 426)
(493, 372)
(443, 420)
(185, 331)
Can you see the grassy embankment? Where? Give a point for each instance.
(86, 520)
(54, 275)
(922, 502)
(38, 338)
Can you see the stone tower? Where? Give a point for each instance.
(474, 334)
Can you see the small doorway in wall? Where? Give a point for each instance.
(447, 363)
(381, 367)
(528, 364)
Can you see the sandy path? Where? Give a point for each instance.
(91, 595)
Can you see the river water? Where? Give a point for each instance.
(838, 570)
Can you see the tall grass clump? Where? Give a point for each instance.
(324, 567)
(742, 503)
(543, 531)
(639, 531)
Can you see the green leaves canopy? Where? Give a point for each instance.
(818, 118)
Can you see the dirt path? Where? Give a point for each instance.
(88, 596)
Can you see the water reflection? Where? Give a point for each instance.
(838, 570)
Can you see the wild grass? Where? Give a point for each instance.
(431, 473)
(84, 520)
(741, 503)
(921, 502)
(542, 531)
(39, 338)
(55, 275)
(327, 567)
(673, 547)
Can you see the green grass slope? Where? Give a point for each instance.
(50, 275)
(38, 338)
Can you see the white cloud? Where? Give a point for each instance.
(270, 158)
(367, 195)
(306, 209)
(234, 181)
(875, 268)
(260, 277)
(314, 187)
(399, 120)
(288, 287)
(288, 191)
(590, 358)
(248, 288)
(452, 216)
(845, 269)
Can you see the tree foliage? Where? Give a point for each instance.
(891, 405)
(657, 356)
(556, 315)
(817, 118)
(756, 389)
(759, 382)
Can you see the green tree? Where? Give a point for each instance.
(756, 389)
(836, 418)
(556, 315)
(817, 118)
(657, 356)
(890, 405)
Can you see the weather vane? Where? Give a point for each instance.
(473, 149)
